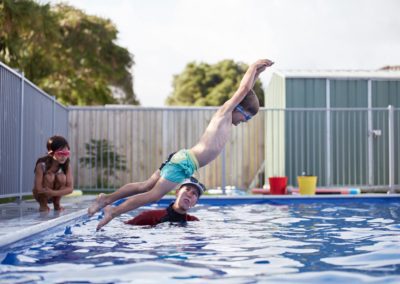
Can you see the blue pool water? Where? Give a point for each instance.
(298, 242)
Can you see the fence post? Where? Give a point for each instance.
(165, 131)
(328, 134)
(21, 136)
(53, 115)
(370, 137)
(391, 148)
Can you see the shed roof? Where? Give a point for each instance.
(340, 74)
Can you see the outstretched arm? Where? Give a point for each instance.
(247, 83)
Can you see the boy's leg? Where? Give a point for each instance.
(161, 188)
(129, 189)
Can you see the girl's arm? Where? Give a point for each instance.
(67, 188)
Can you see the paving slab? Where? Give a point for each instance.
(17, 216)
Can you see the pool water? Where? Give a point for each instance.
(311, 242)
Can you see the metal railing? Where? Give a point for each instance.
(343, 147)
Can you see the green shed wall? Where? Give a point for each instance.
(349, 143)
(305, 133)
(385, 93)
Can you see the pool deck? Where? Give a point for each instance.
(22, 219)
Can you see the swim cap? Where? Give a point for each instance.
(201, 188)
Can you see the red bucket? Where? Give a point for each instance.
(277, 185)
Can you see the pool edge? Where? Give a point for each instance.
(19, 235)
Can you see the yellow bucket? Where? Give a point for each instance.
(307, 184)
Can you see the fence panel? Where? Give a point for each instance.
(343, 147)
(37, 128)
(10, 123)
(144, 137)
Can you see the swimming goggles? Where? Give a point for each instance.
(64, 153)
(246, 115)
(196, 183)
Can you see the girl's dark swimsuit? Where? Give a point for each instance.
(154, 217)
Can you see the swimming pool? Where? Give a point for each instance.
(289, 240)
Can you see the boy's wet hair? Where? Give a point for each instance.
(250, 103)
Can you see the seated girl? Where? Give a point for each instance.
(53, 174)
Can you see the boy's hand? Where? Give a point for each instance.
(262, 64)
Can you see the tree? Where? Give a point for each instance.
(100, 156)
(65, 52)
(209, 85)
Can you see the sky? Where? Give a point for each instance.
(165, 35)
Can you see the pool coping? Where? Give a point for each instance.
(35, 229)
(298, 196)
(19, 235)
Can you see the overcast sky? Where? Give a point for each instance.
(164, 35)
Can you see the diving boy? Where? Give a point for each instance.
(240, 108)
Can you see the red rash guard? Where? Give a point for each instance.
(154, 217)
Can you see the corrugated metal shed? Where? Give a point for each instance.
(316, 141)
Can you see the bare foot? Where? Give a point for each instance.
(44, 208)
(59, 208)
(106, 218)
(98, 204)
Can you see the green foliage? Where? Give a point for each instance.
(65, 52)
(209, 85)
(100, 155)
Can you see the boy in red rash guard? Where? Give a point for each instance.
(186, 197)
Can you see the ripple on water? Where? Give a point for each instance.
(263, 243)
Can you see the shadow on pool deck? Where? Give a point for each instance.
(17, 216)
